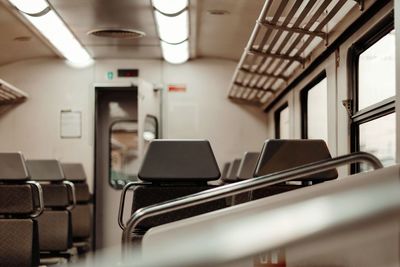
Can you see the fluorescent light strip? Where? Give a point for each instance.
(175, 54)
(30, 6)
(170, 7)
(54, 30)
(173, 29)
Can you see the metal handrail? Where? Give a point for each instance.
(41, 201)
(122, 202)
(71, 187)
(241, 187)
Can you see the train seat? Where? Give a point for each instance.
(55, 227)
(82, 212)
(172, 169)
(245, 171)
(224, 174)
(279, 155)
(19, 241)
(232, 173)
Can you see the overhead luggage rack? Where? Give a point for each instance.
(287, 37)
(9, 94)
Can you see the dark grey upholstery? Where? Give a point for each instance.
(248, 165)
(82, 213)
(147, 195)
(19, 241)
(12, 167)
(16, 199)
(19, 244)
(74, 172)
(55, 228)
(232, 174)
(278, 155)
(45, 170)
(175, 168)
(81, 222)
(179, 160)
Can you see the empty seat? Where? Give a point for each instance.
(279, 155)
(172, 169)
(233, 170)
(55, 227)
(82, 212)
(245, 171)
(19, 242)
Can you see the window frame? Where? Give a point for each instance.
(374, 111)
(110, 148)
(277, 118)
(304, 102)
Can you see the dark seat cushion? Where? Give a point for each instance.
(55, 231)
(55, 195)
(74, 172)
(144, 196)
(12, 167)
(45, 170)
(19, 246)
(82, 192)
(81, 222)
(233, 171)
(16, 199)
(279, 155)
(273, 190)
(179, 161)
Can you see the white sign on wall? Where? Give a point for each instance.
(70, 124)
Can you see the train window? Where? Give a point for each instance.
(373, 72)
(314, 101)
(379, 137)
(282, 122)
(123, 153)
(379, 84)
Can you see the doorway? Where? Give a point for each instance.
(116, 157)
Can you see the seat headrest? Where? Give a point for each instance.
(278, 155)
(248, 165)
(225, 170)
(179, 161)
(233, 171)
(74, 172)
(45, 170)
(12, 167)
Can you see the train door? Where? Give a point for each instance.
(127, 118)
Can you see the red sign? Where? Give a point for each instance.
(177, 88)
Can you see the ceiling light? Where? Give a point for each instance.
(54, 30)
(175, 53)
(173, 29)
(30, 6)
(170, 7)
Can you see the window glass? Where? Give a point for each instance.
(123, 153)
(376, 72)
(284, 123)
(317, 111)
(379, 138)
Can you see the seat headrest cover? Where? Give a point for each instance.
(278, 155)
(12, 167)
(74, 172)
(179, 161)
(248, 165)
(45, 170)
(233, 171)
(225, 170)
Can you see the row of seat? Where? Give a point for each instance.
(45, 214)
(176, 168)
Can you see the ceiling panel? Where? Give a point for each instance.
(84, 16)
(225, 36)
(12, 50)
